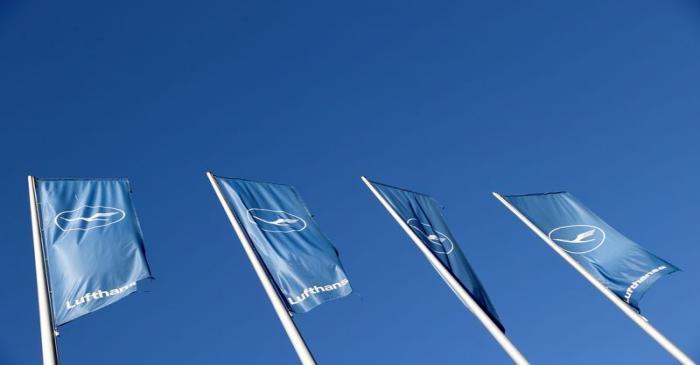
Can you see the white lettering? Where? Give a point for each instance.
(98, 294)
(630, 290)
(316, 290)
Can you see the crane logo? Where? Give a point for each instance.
(578, 238)
(276, 221)
(88, 217)
(435, 240)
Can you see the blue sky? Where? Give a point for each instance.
(454, 99)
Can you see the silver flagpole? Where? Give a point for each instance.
(48, 339)
(281, 310)
(452, 282)
(631, 313)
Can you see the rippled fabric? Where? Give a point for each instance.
(424, 216)
(620, 264)
(301, 261)
(92, 243)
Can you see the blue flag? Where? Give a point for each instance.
(423, 215)
(301, 261)
(617, 262)
(92, 243)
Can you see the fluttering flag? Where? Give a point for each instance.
(303, 264)
(92, 241)
(623, 266)
(423, 215)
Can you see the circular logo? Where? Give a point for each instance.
(88, 217)
(436, 241)
(276, 221)
(578, 238)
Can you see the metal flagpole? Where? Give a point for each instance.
(281, 310)
(452, 282)
(48, 339)
(638, 319)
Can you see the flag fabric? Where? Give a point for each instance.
(92, 244)
(423, 215)
(620, 264)
(302, 263)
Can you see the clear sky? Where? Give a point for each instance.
(455, 99)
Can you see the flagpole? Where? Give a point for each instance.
(452, 282)
(48, 339)
(631, 313)
(281, 310)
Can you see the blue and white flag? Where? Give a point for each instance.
(92, 244)
(620, 264)
(300, 260)
(423, 215)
